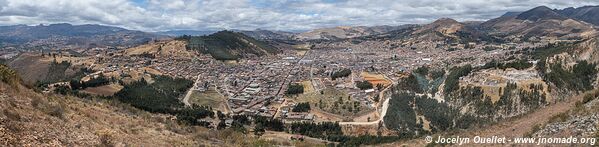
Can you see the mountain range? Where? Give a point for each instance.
(540, 21)
(81, 36)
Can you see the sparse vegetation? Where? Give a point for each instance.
(9, 76)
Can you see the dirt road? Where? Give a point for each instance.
(382, 111)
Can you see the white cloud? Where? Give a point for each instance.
(156, 15)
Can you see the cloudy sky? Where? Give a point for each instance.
(160, 15)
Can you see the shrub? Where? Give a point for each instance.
(363, 85)
(295, 89)
(301, 107)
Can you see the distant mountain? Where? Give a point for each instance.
(446, 29)
(538, 13)
(510, 14)
(269, 35)
(343, 32)
(589, 14)
(176, 33)
(229, 45)
(540, 22)
(74, 36)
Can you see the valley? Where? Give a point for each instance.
(523, 74)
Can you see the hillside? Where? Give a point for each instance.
(448, 29)
(176, 33)
(261, 34)
(228, 45)
(169, 48)
(43, 69)
(539, 21)
(344, 32)
(64, 35)
(589, 14)
(29, 118)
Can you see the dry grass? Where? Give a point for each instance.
(106, 90)
(209, 98)
(375, 79)
(329, 97)
(308, 87)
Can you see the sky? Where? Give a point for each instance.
(286, 15)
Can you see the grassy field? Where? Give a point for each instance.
(209, 98)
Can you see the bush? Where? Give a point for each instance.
(363, 85)
(340, 73)
(295, 89)
(56, 110)
(301, 107)
(8, 76)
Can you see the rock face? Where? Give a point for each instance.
(579, 126)
(581, 123)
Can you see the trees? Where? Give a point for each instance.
(160, 96)
(192, 115)
(410, 83)
(295, 89)
(422, 70)
(363, 85)
(402, 116)
(301, 107)
(452, 81)
(268, 123)
(579, 78)
(340, 73)
(517, 64)
(317, 130)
